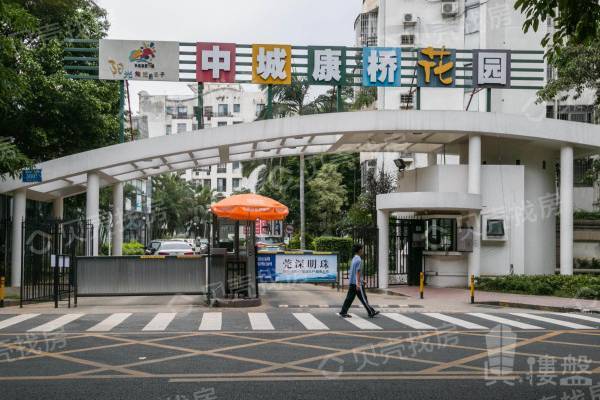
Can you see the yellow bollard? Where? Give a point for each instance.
(421, 283)
(2, 283)
(472, 287)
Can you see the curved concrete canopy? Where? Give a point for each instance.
(418, 201)
(396, 131)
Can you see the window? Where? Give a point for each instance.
(235, 184)
(223, 110)
(208, 112)
(236, 108)
(171, 110)
(221, 184)
(407, 40)
(259, 109)
(207, 183)
(549, 111)
(222, 123)
(441, 234)
(182, 112)
(495, 227)
(237, 122)
(221, 168)
(236, 165)
(168, 129)
(406, 101)
(581, 171)
(181, 127)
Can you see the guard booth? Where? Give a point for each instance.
(237, 276)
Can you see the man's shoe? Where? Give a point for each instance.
(374, 314)
(345, 315)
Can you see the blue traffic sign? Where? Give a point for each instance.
(31, 175)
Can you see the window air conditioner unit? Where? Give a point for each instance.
(409, 20)
(449, 8)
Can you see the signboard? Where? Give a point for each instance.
(381, 66)
(138, 60)
(297, 267)
(31, 175)
(436, 67)
(289, 229)
(326, 65)
(215, 62)
(272, 64)
(491, 68)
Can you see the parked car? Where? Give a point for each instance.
(273, 243)
(174, 248)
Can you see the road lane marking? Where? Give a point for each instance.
(310, 322)
(452, 320)
(361, 323)
(505, 321)
(56, 323)
(110, 322)
(16, 319)
(160, 322)
(583, 317)
(554, 321)
(403, 319)
(211, 321)
(260, 322)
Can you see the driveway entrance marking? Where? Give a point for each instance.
(505, 321)
(455, 321)
(260, 322)
(310, 322)
(554, 321)
(403, 319)
(16, 319)
(583, 317)
(160, 322)
(57, 323)
(110, 322)
(211, 321)
(361, 323)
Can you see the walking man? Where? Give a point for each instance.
(357, 286)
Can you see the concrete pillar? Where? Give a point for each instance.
(431, 159)
(18, 215)
(92, 209)
(566, 210)
(383, 225)
(58, 208)
(117, 220)
(474, 187)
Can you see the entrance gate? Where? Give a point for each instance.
(50, 248)
(368, 237)
(407, 241)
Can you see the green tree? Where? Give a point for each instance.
(11, 159)
(328, 196)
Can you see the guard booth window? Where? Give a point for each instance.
(441, 234)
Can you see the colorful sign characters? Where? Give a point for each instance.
(381, 66)
(138, 60)
(326, 65)
(491, 68)
(272, 64)
(282, 267)
(215, 62)
(436, 67)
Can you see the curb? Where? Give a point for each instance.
(236, 303)
(386, 292)
(536, 307)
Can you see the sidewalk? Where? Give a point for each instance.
(458, 299)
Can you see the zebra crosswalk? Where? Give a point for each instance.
(285, 320)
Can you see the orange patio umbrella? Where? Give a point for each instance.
(249, 207)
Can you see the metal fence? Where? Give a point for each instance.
(368, 237)
(50, 248)
(406, 253)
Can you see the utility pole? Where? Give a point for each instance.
(302, 216)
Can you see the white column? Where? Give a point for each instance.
(431, 158)
(117, 220)
(58, 208)
(474, 187)
(566, 210)
(92, 209)
(18, 215)
(383, 225)
(302, 213)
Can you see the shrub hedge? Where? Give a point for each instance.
(133, 249)
(575, 286)
(295, 241)
(341, 245)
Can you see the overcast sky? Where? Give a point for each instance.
(296, 22)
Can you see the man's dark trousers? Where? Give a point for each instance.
(362, 296)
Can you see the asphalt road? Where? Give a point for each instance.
(243, 361)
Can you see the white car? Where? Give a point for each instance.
(174, 248)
